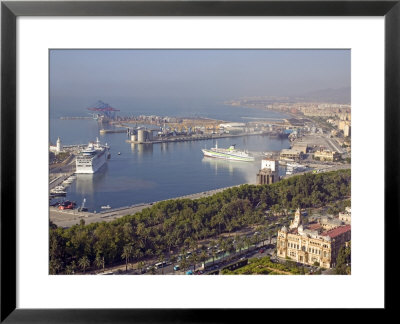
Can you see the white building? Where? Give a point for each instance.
(56, 148)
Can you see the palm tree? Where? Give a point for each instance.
(193, 259)
(240, 244)
(69, 270)
(247, 242)
(140, 266)
(161, 259)
(231, 249)
(193, 245)
(203, 257)
(270, 233)
(84, 263)
(127, 254)
(183, 264)
(214, 254)
(153, 270)
(99, 261)
(256, 240)
(224, 247)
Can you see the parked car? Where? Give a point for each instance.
(177, 267)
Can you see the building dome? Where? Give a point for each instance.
(284, 229)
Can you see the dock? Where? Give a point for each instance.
(194, 138)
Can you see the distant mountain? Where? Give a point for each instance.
(340, 95)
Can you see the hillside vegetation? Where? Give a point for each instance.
(177, 222)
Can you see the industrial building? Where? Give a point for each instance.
(291, 154)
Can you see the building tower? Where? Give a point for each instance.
(59, 147)
(297, 219)
(269, 172)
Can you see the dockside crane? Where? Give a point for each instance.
(103, 108)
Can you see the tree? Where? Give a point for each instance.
(84, 263)
(247, 242)
(69, 270)
(193, 259)
(343, 260)
(55, 266)
(99, 262)
(161, 258)
(240, 244)
(140, 266)
(183, 264)
(152, 270)
(127, 254)
(203, 256)
(231, 249)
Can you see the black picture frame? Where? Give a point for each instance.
(10, 10)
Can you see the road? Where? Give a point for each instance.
(219, 263)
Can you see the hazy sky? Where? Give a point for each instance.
(88, 75)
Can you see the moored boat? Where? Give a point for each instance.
(228, 154)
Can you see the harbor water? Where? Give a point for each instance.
(144, 173)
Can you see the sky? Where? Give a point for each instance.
(81, 77)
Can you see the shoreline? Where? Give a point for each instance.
(69, 218)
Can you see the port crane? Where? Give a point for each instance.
(101, 107)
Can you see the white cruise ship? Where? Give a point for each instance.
(92, 157)
(228, 154)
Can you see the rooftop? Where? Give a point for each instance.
(337, 231)
(314, 226)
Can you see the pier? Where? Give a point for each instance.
(75, 117)
(194, 138)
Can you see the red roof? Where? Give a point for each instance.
(337, 231)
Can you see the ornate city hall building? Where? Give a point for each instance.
(311, 243)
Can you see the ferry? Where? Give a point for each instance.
(228, 154)
(92, 158)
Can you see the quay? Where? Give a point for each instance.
(75, 117)
(193, 138)
(59, 179)
(68, 218)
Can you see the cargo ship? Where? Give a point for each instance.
(228, 154)
(92, 158)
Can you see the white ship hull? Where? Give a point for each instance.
(92, 160)
(227, 156)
